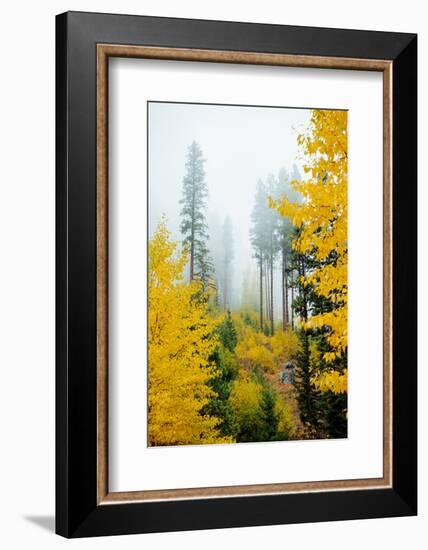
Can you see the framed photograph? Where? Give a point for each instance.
(236, 274)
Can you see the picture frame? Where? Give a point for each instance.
(84, 44)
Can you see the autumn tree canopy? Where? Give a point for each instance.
(181, 341)
(322, 220)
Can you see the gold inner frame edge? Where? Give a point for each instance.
(104, 52)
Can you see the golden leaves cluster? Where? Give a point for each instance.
(331, 380)
(322, 218)
(246, 400)
(181, 340)
(255, 349)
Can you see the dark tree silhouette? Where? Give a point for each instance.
(193, 225)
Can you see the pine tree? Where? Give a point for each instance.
(227, 333)
(224, 357)
(285, 232)
(307, 394)
(270, 417)
(272, 246)
(193, 225)
(322, 410)
(258, 238)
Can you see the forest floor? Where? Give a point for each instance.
(288, 393)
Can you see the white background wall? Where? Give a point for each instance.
(27, 88)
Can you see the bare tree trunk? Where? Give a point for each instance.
(271, 295)
(261, 294)
(192, 239)
(267, 293)
(304, 291)
(192, 262)
(225, 289)
(292, 309)
(284, 288)
(287, 319)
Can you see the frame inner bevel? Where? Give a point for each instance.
(104, 51)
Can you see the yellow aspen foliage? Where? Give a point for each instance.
(331, 380)
(322, 218)
(180, 341)
(253, 350)
(245, 399)
(285, 345)
(286, 422)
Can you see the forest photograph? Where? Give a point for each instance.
(247, 274)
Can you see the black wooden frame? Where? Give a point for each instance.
(77, 512)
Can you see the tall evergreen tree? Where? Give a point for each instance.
(272, 246)
(307, 394)
(285, 231)
(258, 237)
(193, 225)
(261, 240)
(264, 238)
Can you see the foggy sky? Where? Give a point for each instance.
(240, 145)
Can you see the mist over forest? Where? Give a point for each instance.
(241, 147)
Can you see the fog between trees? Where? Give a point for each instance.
(242, 146)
